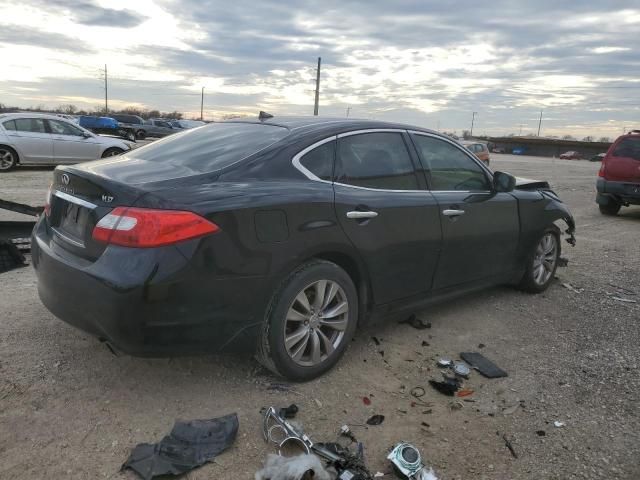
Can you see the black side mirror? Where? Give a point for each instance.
(503, 182)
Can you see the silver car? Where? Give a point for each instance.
(38, 139)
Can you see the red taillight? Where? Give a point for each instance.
(144, 227)
(601, 171)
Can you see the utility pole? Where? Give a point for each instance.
(201, 104)
(473, 117)
(315, 108)
(348, 110)
(540, 123)
(106, 94)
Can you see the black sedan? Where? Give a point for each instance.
(281, 235)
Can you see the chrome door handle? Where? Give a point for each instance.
(360, 215)
(452, 213)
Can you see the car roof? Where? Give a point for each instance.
(314, 123)
(48, 116)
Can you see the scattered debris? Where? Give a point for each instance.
(425, 343)
(378, 474)
(456, 405)
(416, 322)
(568, 286)
(558, 424)
(464, 393)
(366, 400)
(375, 340)
(511, 409)
(407, 463)
(280, 387)
(301, 467)
(10, 257)
(417, 393)
(507, 442)
(626, 300)
(189, 445)
(346, 432)
(481, 345)
(461, 370)
(483, 365)
(563, 262)
(375, 420)
(626, 290)
(445, 362)
(448, 386)
(318, 403)
(541, 433)
(289, 412)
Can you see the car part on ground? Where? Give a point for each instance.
(302, 207)
(483, 365)
(188, 445)
(618, 182)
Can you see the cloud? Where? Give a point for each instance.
(86, 12)
(18, 35)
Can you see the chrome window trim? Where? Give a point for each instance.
(308, 173)
(76, 200)
(68, 239)
(372, 130)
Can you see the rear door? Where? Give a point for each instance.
(70, 145)
(623, 163)
(386, 212)
(480, 228)
(30, 136)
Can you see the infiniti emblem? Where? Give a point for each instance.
(65, 179)
(107, 198)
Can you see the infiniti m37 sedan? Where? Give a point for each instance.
(279, 236)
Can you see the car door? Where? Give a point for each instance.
(163, 128)
(70, 144)
(480, 228)
(31, 139)
(386, 212)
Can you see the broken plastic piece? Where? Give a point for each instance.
(448, 386)
(483, 365)
(375, 420)
(300, 467)
(189, 445)
(289, 412)
(461, 369)
(366, 400)
(464, 393)
(406, 459)
(558, 424)
(445, 362)
(416, 322)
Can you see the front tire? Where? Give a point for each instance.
(8, 159)
(310, 321)
(611, 209)
(542, 262)
(141, 134)
(112, 152)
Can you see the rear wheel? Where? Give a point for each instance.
(112, 152)
(542, 262)
(612, 208)
(8, 159)
(141, 134)
(310, 321)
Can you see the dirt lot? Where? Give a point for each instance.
(70, 409)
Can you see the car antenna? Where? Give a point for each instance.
(264, 115)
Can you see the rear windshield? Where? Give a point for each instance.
(629, 148)
(213, 147)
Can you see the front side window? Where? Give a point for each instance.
(32, 125)
(319, 161)
(375, 160)
(64, 128)
(629, 148)
(449, 168)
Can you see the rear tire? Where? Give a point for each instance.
(542, 262)
(112, 152)
(8, 158)
(310, 321)
(611, 209)
(141, 134)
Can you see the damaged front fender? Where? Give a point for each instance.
(557, 210)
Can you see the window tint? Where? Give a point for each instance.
(162, 124)
(34, 125)
(64, 128)
(628, 147)
(213, 147)
(319, 161)
(9, 125)
(375, 160)
(449, 167)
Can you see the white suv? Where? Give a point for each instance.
(38, 139)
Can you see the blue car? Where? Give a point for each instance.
(519, 150)
(107, 126)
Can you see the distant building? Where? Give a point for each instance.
(547, 147)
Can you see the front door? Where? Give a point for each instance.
(70, 145)
(386, 213)
(33, 142)
(480, 228)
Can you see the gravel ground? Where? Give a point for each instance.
(70, 409)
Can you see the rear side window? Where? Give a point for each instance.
(213, 147)
(319, 161)
(375, 160)
(9, 125)
(628, 148)
(32, 125)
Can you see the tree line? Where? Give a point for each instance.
(70, 109)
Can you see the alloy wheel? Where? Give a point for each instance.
(316, 322)
(544, 260)
(6, 159)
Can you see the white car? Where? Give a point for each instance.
(38, 139)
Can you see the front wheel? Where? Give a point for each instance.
(112, 152)
(141, 134)
(612, 208)
(542, 262)
(310, 321)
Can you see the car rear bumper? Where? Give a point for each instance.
(624, 192)
(148, 302)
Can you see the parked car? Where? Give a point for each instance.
(186, 124)
(283, 235)
(570, 155)
(480, 150)
(157, 127)
(519, 150)
(31, 138)
(498, 150)
(597, 158)
(133, 122)
(106, 126)
(618, 181)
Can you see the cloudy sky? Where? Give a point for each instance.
(430, 63)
